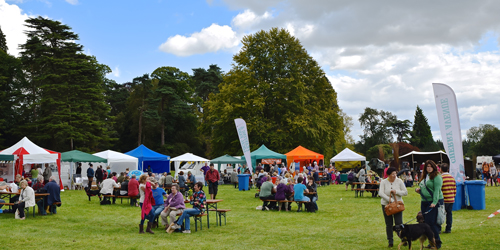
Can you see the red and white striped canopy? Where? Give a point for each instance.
(30, 153)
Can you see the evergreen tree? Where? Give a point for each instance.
(64, 106)
(11, 80)
(3, 41)
(421, 135)
(282, 94)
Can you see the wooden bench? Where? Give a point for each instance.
(121, 197)
(220, 213)
(196, 219)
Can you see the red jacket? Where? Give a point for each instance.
(149, 201)
(133, 187)
(212, 176)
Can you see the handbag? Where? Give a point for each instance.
(394, 207)
(441, 213)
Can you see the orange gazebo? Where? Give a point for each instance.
(303, 155)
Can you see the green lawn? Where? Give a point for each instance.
(342, 222)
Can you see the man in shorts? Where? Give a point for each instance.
(212, 177)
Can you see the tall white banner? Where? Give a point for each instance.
(241, 127)
(449, 124)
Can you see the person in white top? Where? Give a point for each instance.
(396, 187)
(108, 185)
(26, 199)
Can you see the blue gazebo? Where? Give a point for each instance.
(159, 163)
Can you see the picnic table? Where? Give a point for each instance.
(5, 195)
(361, 190)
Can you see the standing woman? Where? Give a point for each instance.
(429, 189)
(146, 203)
(390, 188)
(26, 199)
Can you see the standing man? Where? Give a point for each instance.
(234, 178)
(449, 189)
(99, 175)
(90, 175)
(212, 177)
(205, 170)
(46, 174)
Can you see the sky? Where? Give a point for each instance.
(379, 54)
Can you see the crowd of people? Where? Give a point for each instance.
(25, 186)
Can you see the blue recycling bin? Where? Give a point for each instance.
(459, 197)
(243, 182)
(476, 194)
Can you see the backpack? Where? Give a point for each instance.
(104, 174)
(350, 177)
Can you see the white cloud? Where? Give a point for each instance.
(12, 23)
(116, 72)
(209, 39)
(73, 2)
(249, 19)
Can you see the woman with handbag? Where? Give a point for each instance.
(429, 189)
(392, 190)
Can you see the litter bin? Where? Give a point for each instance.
(243, 182)
(459, 197)
(343, 178)
(475, 192)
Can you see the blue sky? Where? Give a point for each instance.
(379, 54)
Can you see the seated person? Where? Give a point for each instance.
(107, 187)
(299, 190)
(289, 192)
(191, 180)
(26, 199)
(281, 194)
(313, 195)
(158, 194)
(124, 186)
(54, 191)
(267, 191)
(174, 205)
(38, 184)
(198, 201)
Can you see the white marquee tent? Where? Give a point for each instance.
(348, 155)
(116, 160)
(187, 157)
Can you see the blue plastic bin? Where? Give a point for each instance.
(243, 182)
(459, 197)
(476, 194)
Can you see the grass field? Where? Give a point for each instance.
(342, 222)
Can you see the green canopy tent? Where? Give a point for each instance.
(6, 157)
(227, 159)
(78, 156)
(263, 153)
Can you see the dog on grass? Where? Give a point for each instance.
(409, 233)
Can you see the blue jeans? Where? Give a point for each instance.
(185, 217)
(157, 210)
(305, 198)
(431, 218)
(150, 217)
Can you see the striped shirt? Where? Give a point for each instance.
(449, 188)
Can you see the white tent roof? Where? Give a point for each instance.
(348, 155)
(111, 155)
(189, 157)
(31, 152)
(423, 153)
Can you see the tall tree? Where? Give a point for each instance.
(142, 90)
(474, 136)
(3, 41)
(401, 129)
(11, 80)
(377, 128)
(207, 81)
(281, 92)
(421, 135)
(489, 143)
(64, 101)
(172, 97)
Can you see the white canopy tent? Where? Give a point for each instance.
(348, 155)
(116, 160)
(188, 157)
